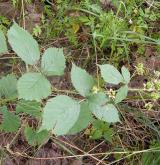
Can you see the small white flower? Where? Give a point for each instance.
(111, 93)
(130, 21)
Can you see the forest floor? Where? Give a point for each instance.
(53, 24)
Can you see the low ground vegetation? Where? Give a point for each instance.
(80, 82)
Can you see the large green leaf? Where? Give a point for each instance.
(84, 119)
(60, 114)
(33, 86)
(32, 108)
(121, 94)
(35, 138)
(23, 44)
(81, 80)
(110, 74)
(3, 44)
(10, 122)
(126, 74)
(53, 62)
(8, 87)
(103, 111)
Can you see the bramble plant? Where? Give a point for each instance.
(62, 114)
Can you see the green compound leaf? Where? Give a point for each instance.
(126, 74)
(10, 122)
(33, 86)
(84, 119)
(35, 138)
(32, 108)
(23, 44)
(110, 74)
(121, 94)
(103, 111)
(53, 62)
(8, 87)
(3, 44)
(81, 80)
(60, 114)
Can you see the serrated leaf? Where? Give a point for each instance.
(106, 113)
(23, 44)
(103, 111)
(84, 119)
(81, 80)
(126, 74)
(3, 43)
(121, 94)
(32, 108)
(110, 74)
(8, 87)
(60, 114)
(35, 138)
(102, 127)
(33, 86)
(10, 122)
(53, 62)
